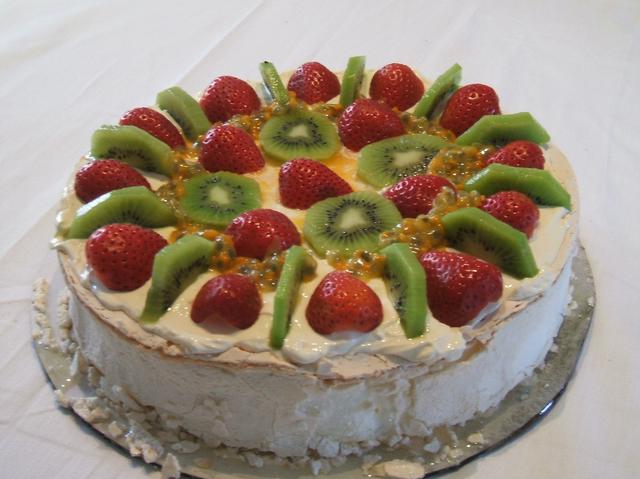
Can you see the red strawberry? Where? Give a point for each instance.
(467, 105)
(341, 302)
(367, 121)
(459, 286)
(227, 148)
(513, 208)
(121, 255)
(396, 85)
(227, 96)
(257, 233)
(520, 153)
(313, 83)
(101, 176)
(230, 298)
(304, 182)
(154, 123)
(414, 195)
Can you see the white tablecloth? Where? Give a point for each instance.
(66, 69)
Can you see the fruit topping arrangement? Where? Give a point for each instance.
(230, 299)
(99, 177)
(227, 148)
(433, 191)
(460, 285)
(304, 182)
(258, 233)
(122, 255)
(342, 302)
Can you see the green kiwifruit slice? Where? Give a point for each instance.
(388, 161)
(132, 145)
(299, 133)
(444, 84)
(217, 198)
(479, 234)
(185, 110)
(297, 264)
(350, 222)
(352, 80)
(407, 285)
(134, 204)
(273, 82)
(175, 267)
(502, 129)
(539, 185)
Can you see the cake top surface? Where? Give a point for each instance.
(313, 222)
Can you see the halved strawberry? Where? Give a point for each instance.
(227, 96)
(515, 209)
(121, 255)
(154, 123)
(521, 153)
(102, 176)
(396, 85)
(459, 286)
(257, 233)
(366, 121)
(304, 182)
(414, 195)
(227, 148)
(229, 298)
(467, 105)
(313, 83)
(342, 302)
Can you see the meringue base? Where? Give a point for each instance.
(293, 412)
(112, 412)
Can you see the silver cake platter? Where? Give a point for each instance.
(523, 407)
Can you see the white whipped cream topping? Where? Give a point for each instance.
(303, 345)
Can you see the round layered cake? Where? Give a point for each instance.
(319, 268)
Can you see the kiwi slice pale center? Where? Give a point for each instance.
(403, 159)
(352, 219)
(350, 222)
(217, 198)
(300, 131)
(220, 195)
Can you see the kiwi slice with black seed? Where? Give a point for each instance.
(446, 83)
(273, 82)
(175, 267)
(502, 129)
(185, 110)
(350, 222)
(297, 264)
(539, 185)
(352, 80)
(388, 161)
(134, 204)
(479, 234)
(134, 146)
(217, 198)
(300, 133)
(407, 285)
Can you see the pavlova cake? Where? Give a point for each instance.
(319, 268)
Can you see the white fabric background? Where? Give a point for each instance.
(67, 68)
